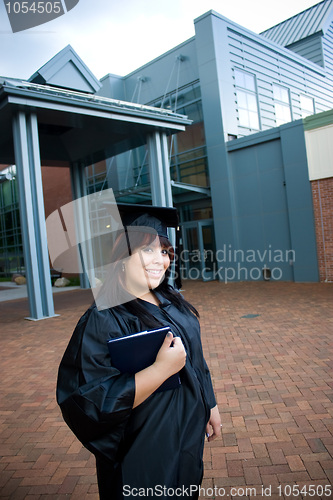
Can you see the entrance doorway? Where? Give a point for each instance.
(198, 257)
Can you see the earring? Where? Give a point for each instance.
(123, 267)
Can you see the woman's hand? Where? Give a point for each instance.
(213, 429)
(170, 359)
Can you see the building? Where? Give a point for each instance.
(253, 202)
(247, 95)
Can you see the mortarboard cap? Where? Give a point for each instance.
(159, 219)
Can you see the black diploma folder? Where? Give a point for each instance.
(134, 352)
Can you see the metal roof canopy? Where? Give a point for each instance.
(74, 126)
(42, 125)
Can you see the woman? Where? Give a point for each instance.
(146, 442)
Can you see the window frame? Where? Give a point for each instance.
(246, 91)
(282, 104)
(302, 109)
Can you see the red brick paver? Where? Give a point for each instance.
(273, 379)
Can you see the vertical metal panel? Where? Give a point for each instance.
(159, 170)
(218, 103)
(155, 170)
(27, 158)
(300, 204)
(166, 170)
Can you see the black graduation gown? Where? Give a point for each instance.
(157, 445)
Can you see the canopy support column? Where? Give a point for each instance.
(79, 190)
(32, 214)
(159, 170)
(160, 181)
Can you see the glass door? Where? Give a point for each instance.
(198, 250)
(209, 254)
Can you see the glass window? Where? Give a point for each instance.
(281, 104)
(11, 255)
(307, 105)
(281, 93)
(245, 80)
(247, 100)
(188, 156)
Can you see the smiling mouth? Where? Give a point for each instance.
(154, 272)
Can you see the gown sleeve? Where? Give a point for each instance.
(189, 324)
(208, 387)
(199, 360)
(96, 400)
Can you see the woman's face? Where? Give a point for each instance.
(145, 269)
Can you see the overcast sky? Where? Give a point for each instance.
(118, 36)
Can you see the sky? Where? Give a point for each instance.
(119, 36)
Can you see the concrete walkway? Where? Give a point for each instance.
(11, 291)
(269, 348)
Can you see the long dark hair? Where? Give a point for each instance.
(113, 292)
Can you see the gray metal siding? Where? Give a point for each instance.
(271, 66)
(328, 52)
(311, 48)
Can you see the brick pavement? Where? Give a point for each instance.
(269, 348)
